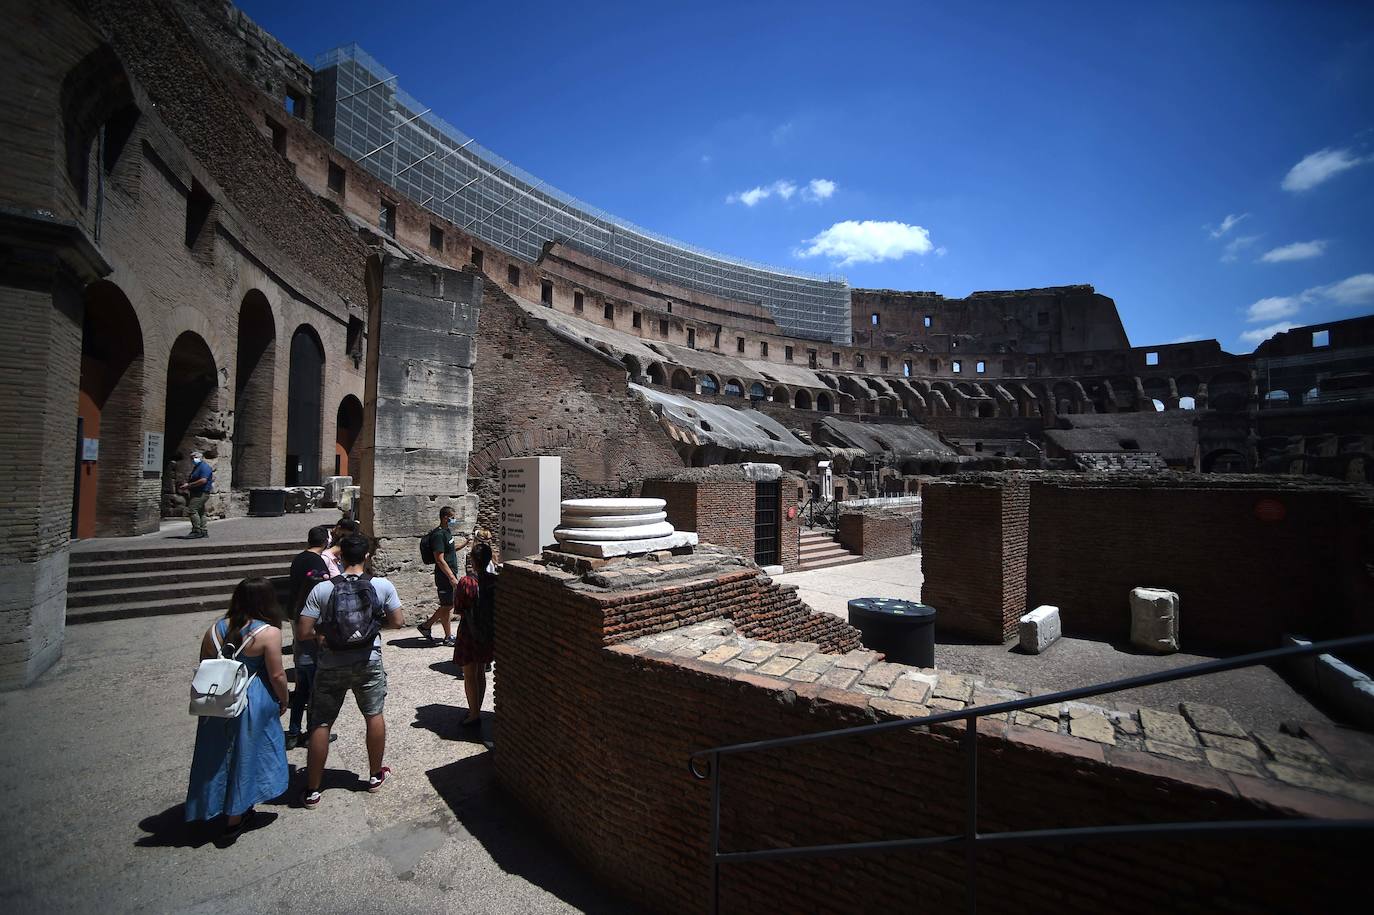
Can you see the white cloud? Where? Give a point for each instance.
(1233, 247)
(1321, 166)
(1355, 290)
(819, 189)
(782, 132)
(1258, 335)
(1298, 251)
(1273, 308)
(815, 191)
(869, 241)
(1227, 224)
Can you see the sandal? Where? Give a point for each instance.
(232, 831)
(375, 782)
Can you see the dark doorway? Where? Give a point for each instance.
(767, 496)
(348, 423)
(303, 405)
(254, 392)
(192, 402)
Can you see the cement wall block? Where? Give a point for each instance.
(431, 315)
(413, 515)
(423, 425)
(404, 471)
(33, 617)
(421, 379)
(407, 278)
(1039, 629)
(1349, 689)
(444, 347)
(1154, 620)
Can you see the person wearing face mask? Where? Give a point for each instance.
(445, 547)
(197, 489)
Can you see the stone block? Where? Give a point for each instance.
(1093, 727)
(909, 689)
(1154, 620)
(1167, 727)
(1234, 746)
(1230, 762)
(1039, 629)
(333, 490)
(1211, 719)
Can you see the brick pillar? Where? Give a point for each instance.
(43, 266)
(974, 555)
(417, 419)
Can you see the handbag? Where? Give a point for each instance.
(220, 687)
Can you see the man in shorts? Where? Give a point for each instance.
(445, 547)
(338, 672)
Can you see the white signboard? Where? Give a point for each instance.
(90, 449)
(152, 452)
(530, 497)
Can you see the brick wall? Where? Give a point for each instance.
(722, 511)
(594, 742)
(1244, 575)
(875, 535)
(969, 539)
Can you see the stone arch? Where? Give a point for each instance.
(1228, 391)
(304, 408)
(682, 381)
(1157, 390)
(632, 366)
(192, 419)
(803, 400)
(110, 409)
(824, 402)
(656, 374)
(255, 370)
(1066, 399)
(757, 391)
(348, 424)
(1224, 460)
(93, 92)
(710, 384)
(780, 395)
(734, 387)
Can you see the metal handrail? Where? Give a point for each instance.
(970, 840)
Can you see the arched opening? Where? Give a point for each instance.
(780, 395)
(347, 424)
(1313, 395)
(192, 420)
(824, 403)
(682, 381)
(304, 403)
(757, 392)
(1225, 460)
(803, 400)
(1276, 397)
(709, 384)
(254, 392)
(655, 373)
(734, 387)
(1228, 391)
(632, 366)
(1187, 403)
(106, 496)
(1158, 405)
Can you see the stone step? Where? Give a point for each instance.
(130, 610)
(844, 560)
(125, 580)
(117, 564)
(828, 549)
(184, 548)
(193, 592)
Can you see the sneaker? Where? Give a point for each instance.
(375, 782)
(310, 799)
(427, 632)
(448, 642)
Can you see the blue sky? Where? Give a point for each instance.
(937, 146)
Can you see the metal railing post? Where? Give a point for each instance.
(715, 833)
(971, 813)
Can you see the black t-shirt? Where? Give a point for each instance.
(307, 570)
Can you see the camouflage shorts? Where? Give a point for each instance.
(367, 679)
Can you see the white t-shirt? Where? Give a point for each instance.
(318, 599)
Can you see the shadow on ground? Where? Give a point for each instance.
(512, 837)
(446, 721)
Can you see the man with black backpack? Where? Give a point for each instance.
(439, 548)
(345, 616)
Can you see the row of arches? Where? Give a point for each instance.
(114, 492)
(709, 383)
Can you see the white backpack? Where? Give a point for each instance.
(220, 687)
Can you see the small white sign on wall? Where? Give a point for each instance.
(152, 452)
(530, 504)
(90, 449)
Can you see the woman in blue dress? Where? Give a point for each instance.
(241, 761)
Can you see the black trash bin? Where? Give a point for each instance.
(266, 503)
(900, 629)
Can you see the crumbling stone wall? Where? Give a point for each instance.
(613, 785)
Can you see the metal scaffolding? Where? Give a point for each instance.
(363, 112)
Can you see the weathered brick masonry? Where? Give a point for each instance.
(593, 737)
(1251, 558)
(720, 508)
(875, 534)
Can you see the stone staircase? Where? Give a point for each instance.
(820, 550)
(184, 578)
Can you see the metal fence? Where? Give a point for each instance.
(369, 118)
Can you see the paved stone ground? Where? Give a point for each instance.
(96, 756)
(1257, 697)
(291, 526)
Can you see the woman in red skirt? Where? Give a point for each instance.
(475, 600)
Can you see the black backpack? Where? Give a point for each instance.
(352, 619)
(427, 547)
